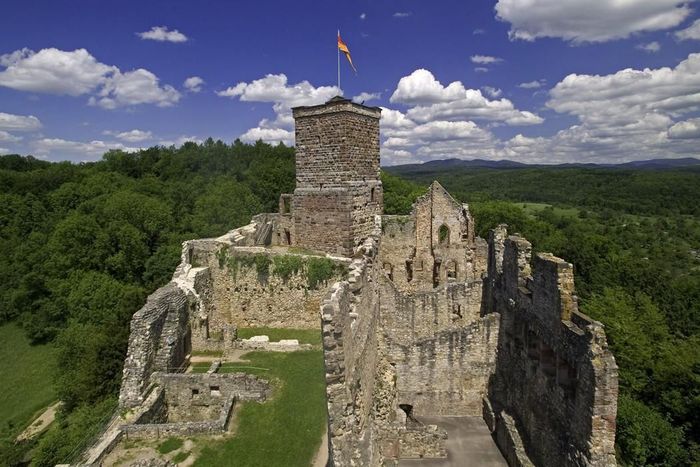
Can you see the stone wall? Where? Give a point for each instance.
(555, 377)
(447, 374)
(433, 246)
(188, 404)
(242, 297)
(158, 341)
(350, 320)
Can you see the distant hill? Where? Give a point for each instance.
(447, 164)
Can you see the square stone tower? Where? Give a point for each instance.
(338, 189)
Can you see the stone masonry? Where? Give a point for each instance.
(429, 320)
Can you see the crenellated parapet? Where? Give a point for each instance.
(554, 374)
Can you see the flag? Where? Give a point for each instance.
(344, 48)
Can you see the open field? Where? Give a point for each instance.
(26, 374)
(285, 430)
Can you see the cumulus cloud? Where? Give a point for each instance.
(492, 92)
(689, 129)
(363, 15)
(269, 135)
(283, 96)
(481, 69)
(485, 59)
(651, 47)
(367, 96)
(691, 32)
(11, 122)
(536, 84)
(193, 84)
(54, 71)
(6, 137)
(627, 115)
(61, 149)
(402, 14)
(430, 101)
(477, 32)
(77, 73)
(133, 88)
(180, 140)
(4, 151)
(162, 34)
(132, 136)
(589, 21)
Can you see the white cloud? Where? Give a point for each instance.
(485, 59)
(180, 140)
(76, 73)
(591, 20)
(689, 129)
(691, 32)
(135, 87)
(193, 84)
(4, 151)
(161, 33)
(363, 16)
(276, 90)
(536, 84)
(492, 92)
(433, 101)
(367, 96)
(61, 149)
(624, 116)
(402, 14)
(54, 71)
(651, 47)
(477, 32)
(6, 137)
(481, 69)
(12, 122)
(269, 135)
(132, 136)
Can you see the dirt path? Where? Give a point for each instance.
(321, 457)
(40, 423)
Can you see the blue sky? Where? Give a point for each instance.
(544, 81)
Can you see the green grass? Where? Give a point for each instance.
(207, 353)
(170, 445)
(305, 336)
(26, 375)
(284, 431)
(180, 456)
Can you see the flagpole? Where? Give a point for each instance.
(338, 50)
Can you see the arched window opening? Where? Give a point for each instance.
(444, 235)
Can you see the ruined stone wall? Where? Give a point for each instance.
(350, 320)
(447, 374)
(433, 246)
(555, 375)
(242, 297)
(158, 341)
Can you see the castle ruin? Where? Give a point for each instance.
(427, 319)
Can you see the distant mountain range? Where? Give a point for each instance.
(447, 164)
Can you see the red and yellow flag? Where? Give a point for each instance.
(344, 48)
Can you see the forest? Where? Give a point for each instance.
(84, 244)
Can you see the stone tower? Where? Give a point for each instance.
(338, 189)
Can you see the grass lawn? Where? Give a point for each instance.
(284, 431)
(305, 336)
(26, 376)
